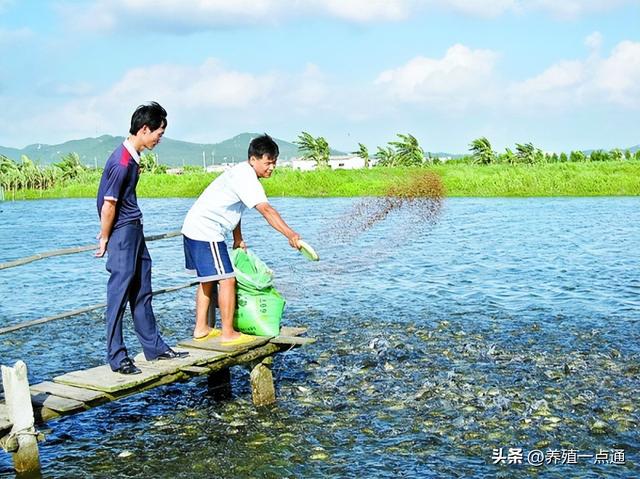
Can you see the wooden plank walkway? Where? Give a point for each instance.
(78, 391)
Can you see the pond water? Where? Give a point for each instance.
(503, 323)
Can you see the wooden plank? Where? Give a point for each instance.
(197, 357)
(56, 403)
(102, 378)
(70, 392)
(292, 330)
(195, 370)
(292, 340)
(214, 344)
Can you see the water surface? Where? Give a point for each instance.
(506, 323)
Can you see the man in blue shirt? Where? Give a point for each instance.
(121, 236)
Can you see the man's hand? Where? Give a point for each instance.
(102, 246)
(240, 244)
(107, 218)
(294, 240)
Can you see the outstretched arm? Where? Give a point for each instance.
(274, 219)
(107, 216)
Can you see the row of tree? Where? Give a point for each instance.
(406, 151)
(26, 174)
(482, 153)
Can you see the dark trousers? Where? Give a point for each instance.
(129, 263)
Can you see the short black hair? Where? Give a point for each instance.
(151, 114)
(263, 145)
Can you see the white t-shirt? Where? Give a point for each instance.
(217, 211)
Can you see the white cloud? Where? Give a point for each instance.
(614, 80)
(200, 99)
(594, 41)
(479, 8)
(195, 15)
(570, 9)
(208, 84)
(210, 101)
(176, 16)
(310, 91)
(618, 76)
(555, 87)
(466, 80)
(462, 77)
(367, 10)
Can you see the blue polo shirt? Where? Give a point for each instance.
(118, 182)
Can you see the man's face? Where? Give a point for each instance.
(263, 166)
(151, 138)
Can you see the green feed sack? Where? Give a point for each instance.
(259, 314)
(252, 275)
(259, 306)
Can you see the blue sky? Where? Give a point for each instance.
(562, 74)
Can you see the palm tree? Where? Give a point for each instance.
(409, 152)
(314, 149)
(149, 164)
(577, 156)
(525, 153)
(616, 154)
(324, 152)
(30, 172)
(70, 166)
(7, 169)
(363, 153)
(481, 151)
(385, 156)
(508, 157)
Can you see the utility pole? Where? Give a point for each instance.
(204, 161)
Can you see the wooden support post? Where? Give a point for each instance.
(262, 388)
(219, 384)
(18, 398)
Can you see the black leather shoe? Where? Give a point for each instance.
(171, 354)
(127, 367)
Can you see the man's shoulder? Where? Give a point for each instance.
(243, 170)
(120, 157)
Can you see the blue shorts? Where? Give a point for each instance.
(208, 260)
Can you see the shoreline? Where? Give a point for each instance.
(589, 179)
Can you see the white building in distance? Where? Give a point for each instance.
(347, 162)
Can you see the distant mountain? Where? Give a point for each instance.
(95, 151)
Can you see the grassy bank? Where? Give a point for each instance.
(612, 178)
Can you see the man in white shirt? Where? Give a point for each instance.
(215, 215)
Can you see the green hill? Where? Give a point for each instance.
(95, 151)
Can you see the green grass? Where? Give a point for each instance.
(613, 178)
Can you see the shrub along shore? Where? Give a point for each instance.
(606, 178)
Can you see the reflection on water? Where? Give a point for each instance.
(508, 323)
